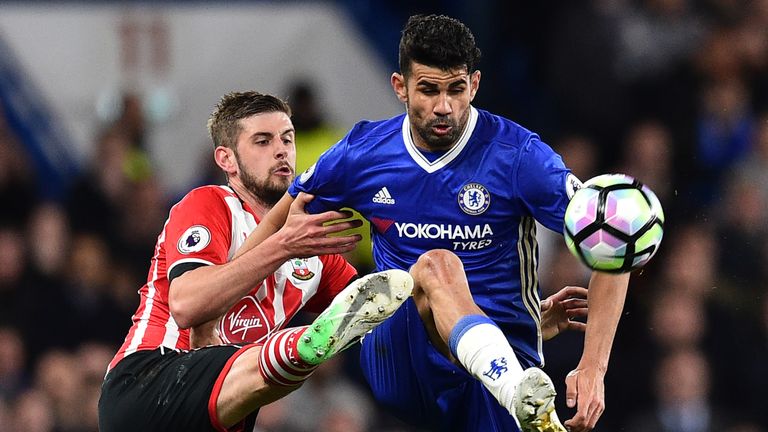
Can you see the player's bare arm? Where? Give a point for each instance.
(308, 235)
(272, 222)
(585, 386)
(205, 293)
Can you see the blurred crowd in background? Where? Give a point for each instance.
(673, 92)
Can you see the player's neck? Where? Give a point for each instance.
(258, 206)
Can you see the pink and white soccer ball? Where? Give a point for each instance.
(614, 223)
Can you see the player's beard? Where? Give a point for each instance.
(445, 142)
(268, 191)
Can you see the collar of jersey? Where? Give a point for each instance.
(244, 205)
(449, 156)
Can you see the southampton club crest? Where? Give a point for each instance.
(474, 199)
(300, 269)
(194, 239)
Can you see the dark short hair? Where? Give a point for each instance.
(437, 41)
(224, 123)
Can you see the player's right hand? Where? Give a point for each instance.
(585, 391)
(306, 235)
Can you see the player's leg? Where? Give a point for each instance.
(462, 332)
(263, 374)
(360, 307)
(162, 389)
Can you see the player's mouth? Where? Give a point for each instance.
(283, 171)
(441, 129)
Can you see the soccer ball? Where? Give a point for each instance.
(614, 223)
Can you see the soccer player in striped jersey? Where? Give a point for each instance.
(452, 193)
(200, 291)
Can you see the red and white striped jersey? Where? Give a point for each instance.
(206, 228)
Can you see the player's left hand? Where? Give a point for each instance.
(559, 310)
(585, 390)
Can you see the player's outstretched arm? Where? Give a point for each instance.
(272, 222)
(205, 293)
(310, 235)
(559, 310)
(279, 215)
(585, 386)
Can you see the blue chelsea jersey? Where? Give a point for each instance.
(478, 200)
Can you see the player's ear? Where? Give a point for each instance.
(399, 86)
(225, 159)
(474, 84)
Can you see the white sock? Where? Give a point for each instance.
(480, 346)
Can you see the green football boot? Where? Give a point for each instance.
(356, 310)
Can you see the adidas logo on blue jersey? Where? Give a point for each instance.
(383, 197)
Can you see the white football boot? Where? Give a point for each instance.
(534, 403)
(356, 310)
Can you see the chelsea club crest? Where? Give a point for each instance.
(474, 199)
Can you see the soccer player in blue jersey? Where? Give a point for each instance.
(453, 193)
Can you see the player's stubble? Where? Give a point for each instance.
(446, 142)
(268, 190)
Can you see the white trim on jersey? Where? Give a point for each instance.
(445, 159)
(278, 307)
(261, 293)
(141, 329)
(171, 337)
(527, 249)
(242, 223)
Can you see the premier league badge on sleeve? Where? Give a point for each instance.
(474, 199)
(194, 239)
(572, 184)
(307, 174)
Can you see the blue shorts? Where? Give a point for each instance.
(420, 386)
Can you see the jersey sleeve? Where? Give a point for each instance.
(545, 186)
(326, 179)
(337, 273)
(198, 232)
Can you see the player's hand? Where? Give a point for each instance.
(305, 235)
(559, 310)
(585, 390)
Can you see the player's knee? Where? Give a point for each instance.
(439, 259)
(435, 269)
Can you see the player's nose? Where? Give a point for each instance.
(443, 105)
(281, 151)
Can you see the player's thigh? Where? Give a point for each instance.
(243, 388)
(439, 275)
(441, 292)
(162, 390)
